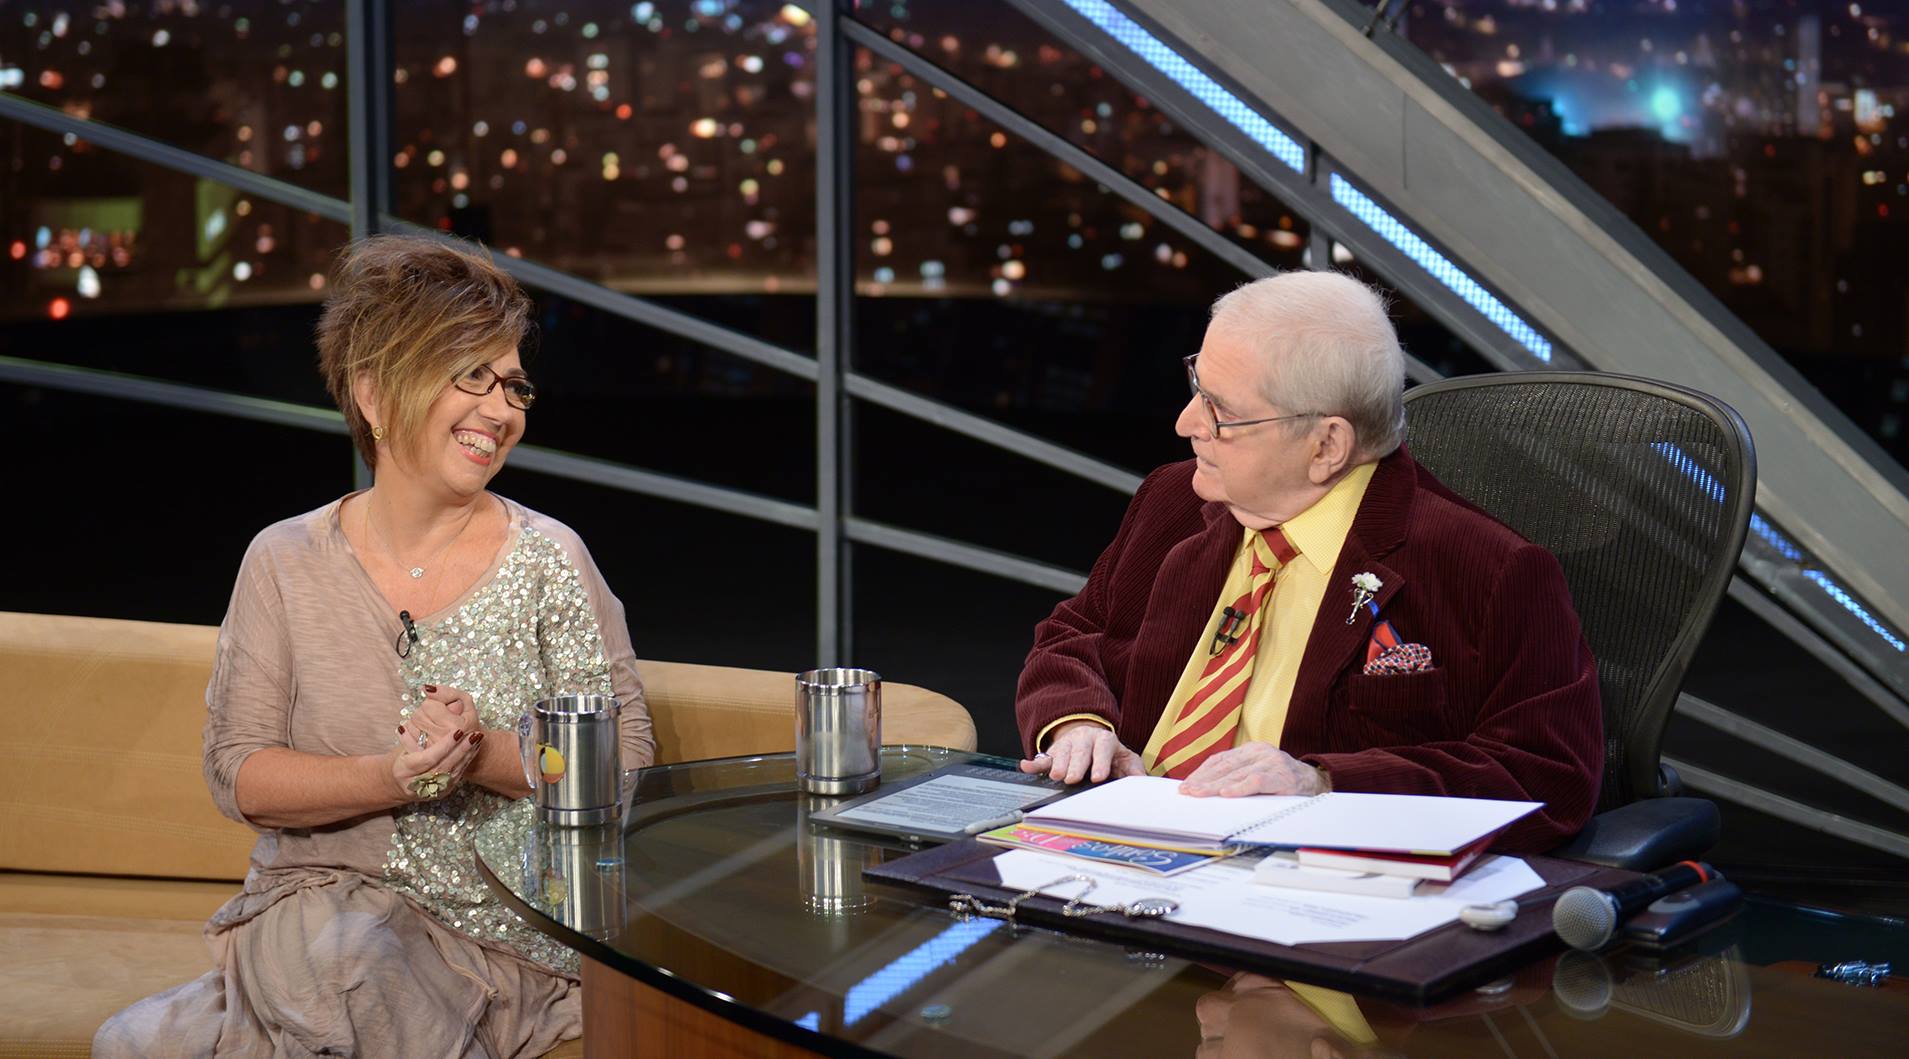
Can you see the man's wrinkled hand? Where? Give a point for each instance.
(1084, 750)
(1254, 768)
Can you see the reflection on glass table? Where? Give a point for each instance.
(720, 900)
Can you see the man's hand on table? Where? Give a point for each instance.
(1084, 750)
(1253, 768)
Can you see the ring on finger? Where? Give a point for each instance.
(431, 785)
(424, 739)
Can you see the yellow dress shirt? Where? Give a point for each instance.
(1301, 588)
(1319, 532)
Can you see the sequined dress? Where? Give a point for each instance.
(376, 936)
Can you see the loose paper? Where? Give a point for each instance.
(1222, 896)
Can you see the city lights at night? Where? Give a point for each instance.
(667, 149)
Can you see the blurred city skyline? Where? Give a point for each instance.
(667, 149)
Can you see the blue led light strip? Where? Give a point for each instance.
(1776, 540)
(901, 974)
(1848, 602)
(1441, 267)
(1155, 53)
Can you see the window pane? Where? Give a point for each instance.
(680, 570)
(140, 511)
(1765, 147)
(618, 390)
(109, 262)
(919, 476)
(226, 479)
(258, 85)
(992, 46)
(968, 645)
(1746, 666)
(662, 149)
(996, 278)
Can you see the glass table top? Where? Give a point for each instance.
(717, 889)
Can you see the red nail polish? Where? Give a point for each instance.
(459, 737)
(401, 729)
(476, 738)
(429, 688)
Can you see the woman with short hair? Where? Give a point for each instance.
(370, 668)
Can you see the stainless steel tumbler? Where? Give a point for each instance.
(838, 730)
(575, 875)
(572, 759)
(828, 868)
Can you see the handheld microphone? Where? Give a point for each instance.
(1586, 917)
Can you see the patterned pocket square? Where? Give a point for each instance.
(1401, 658)
(1386, 654)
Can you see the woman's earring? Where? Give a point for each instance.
(377, 433)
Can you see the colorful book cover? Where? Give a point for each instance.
(1151, 859)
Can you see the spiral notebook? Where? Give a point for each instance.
(1152, 809)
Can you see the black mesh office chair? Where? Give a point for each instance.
(1643, 490)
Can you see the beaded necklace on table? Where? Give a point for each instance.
(528, 634)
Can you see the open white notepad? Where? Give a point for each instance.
(1152, 809)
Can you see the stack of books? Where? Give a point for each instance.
(1375, 874)
(1376, 844)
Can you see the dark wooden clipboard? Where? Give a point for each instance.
(1422, 970)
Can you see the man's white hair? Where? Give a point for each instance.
(1324, 344)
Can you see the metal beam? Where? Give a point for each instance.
(170, 394)
(167, 156)
(1303, 192)
(629, 307)
(554, 462)
(969, 556)
(1116, 182)
(992, 433)
(325, 420)
(368, 72)
(835, 139)
(1810, 640)
(668, 487)
(1702, 779)
(1795, 749)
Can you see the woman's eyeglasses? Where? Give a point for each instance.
(520, 393)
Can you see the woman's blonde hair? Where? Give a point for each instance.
(412, 314)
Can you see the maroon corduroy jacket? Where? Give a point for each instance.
(1510, 710)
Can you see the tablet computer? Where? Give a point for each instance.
(953, 801)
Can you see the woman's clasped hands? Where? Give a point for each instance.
(437, 744)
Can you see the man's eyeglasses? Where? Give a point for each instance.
(519, 392)
(1213, 420)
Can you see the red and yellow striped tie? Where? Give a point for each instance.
(1210, 720)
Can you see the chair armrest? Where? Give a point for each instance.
(1646, 835)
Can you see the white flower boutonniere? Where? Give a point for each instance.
(1364, 586)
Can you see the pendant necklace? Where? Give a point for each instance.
(416, 572)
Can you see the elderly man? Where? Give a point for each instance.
(1301, 608)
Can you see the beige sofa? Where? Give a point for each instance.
(112, 856)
